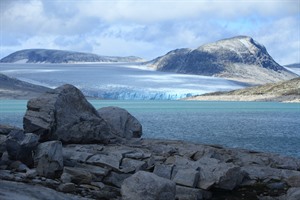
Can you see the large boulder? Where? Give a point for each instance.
(64, 114)
(123, 123)
(20, 146)
(49, 159)
(147, 186)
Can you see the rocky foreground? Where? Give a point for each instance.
(285, 91)
(70, 150)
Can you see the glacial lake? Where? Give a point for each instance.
(262, 126)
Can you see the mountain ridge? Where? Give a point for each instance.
(285, 91)
(61, 56)
(238, 58)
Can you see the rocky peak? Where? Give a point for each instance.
(239, 43)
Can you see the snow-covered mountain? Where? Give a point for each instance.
(59, 56)
(239, 58)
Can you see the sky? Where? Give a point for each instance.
(148, 28)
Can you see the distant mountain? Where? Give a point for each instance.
(59, 56)
(288, 91)
(11, 88)
(295, 65)
(239, 58)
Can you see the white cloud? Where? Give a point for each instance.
(148, 28)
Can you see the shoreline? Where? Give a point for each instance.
(70, 150)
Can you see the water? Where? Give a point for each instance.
(262, 126)
(118, 81)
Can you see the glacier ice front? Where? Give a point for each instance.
(118, 81)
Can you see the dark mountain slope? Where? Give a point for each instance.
(11, 88)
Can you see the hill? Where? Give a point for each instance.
(59, 56)
(239, 58)
(286, 91)
(11, 88)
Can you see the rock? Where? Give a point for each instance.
(285, 163)
(163, 170)
(293, 193)
(76, 175)
(67, 187)
(18, 166)
(64, 114)
(123, 123)
(20, 191)
(97, 171)
(268, 173)
(31, 173)
(294, 181)
(132, 165)
(222, 175)
(138, 155)
(188, 193)
(186, 177)
(20, 146)
(111, 161)
(107, 192)
(49, 159)
(77, 156)
(2, 144)
(115, 179)
(147, 186)
(277, 185)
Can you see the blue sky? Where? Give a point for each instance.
(148, 28)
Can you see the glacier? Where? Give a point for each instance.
(126, 81)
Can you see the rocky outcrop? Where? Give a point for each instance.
(66, 115)
(137, 168)
(239, 58)
(286, 91)
(147, 186)
(123, 123)
(198, 171)
(59, 56)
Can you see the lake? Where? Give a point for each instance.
(262, 126)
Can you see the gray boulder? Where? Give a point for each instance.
(49, 159)
(64, 114)
(186, 177)
(147, 186)
(123, 123)
(20, 146)
(221, 175)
